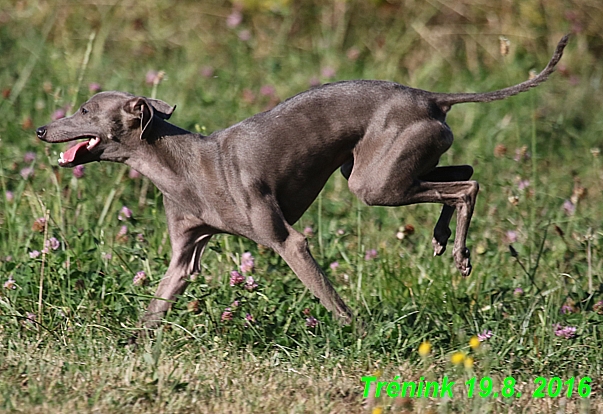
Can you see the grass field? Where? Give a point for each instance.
(71, 254)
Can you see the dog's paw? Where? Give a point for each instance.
(132, 342)
(441, 234)
(462, 261)
(438, 247)
(360, 328)
(345, 318)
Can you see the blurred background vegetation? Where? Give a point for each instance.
(432, 45)
(53, 50)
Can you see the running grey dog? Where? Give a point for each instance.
(256, 178)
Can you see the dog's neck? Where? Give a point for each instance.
(166, 156)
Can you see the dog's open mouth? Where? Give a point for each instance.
(79, 153)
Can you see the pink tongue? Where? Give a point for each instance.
(71, 153)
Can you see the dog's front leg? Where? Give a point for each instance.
(188, 238)
(182, 267)
(294, 250)
(270, 228)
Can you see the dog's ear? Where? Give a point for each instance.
(162, 109)
(144, 109)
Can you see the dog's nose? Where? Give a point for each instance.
(41, 132)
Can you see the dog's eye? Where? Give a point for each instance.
(84, 111)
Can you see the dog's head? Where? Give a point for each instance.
(111, 124)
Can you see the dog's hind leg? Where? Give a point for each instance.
(346, 168)
(459, 196)
(441, 232)
(394, 171)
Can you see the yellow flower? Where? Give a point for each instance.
(424, 348)
(468, 362)
(377, 410)
(474, 342)
(378, 373)
(457, 358)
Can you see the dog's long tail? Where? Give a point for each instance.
(446, 100)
